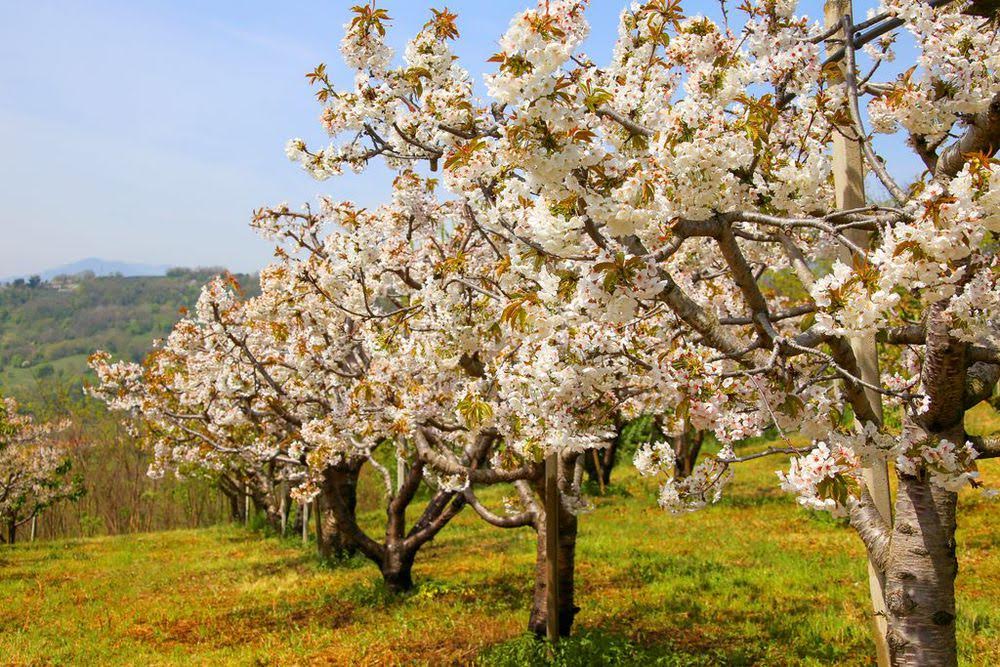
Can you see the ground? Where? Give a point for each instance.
(752, 580)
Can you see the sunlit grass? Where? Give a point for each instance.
(753, 580)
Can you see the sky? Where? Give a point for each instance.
(148, 131)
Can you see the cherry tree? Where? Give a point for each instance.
(447, 354)
(188, 399)
(274, 390)
(667, 239)
(34, 468)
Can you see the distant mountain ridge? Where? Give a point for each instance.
(99, 267)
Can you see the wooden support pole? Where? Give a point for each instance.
(400, 472)
(284, 508)
(34, 527)
(552, 547)
(849, 184)
(246, 504)
(305, 523)
(318, 514)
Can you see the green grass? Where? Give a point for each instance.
(753, 580)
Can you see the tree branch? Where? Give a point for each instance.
(872, 528)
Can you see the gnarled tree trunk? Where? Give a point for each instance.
(397, 551)
(261, 505)
(397, 568)
(687, 446)
(339, 486)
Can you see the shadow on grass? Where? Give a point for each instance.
(355, 561)
(297, 563)
(497, 593)
(372, 593)
(330, 614)
(761, 499)
(240, 625)
(600, 648)
(682, 646)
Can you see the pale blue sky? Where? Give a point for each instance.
(148, 131)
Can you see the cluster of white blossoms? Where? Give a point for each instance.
(955, 72)
(536, 45)
(927, 258)
(975, 311)
(657, 236)
(825, 478)
(705, 485)
(947, 464)
(363, 46)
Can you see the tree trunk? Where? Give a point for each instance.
(262, 506)
(234, 496)
(920, 578)
(567, 555)
(11, 531)
(921, 567)
(687, 446)
(609, 456)
(598, 463)
(339, 486)
(235, 511)
(397, 569)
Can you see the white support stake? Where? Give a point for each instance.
(400, 472)
(849, 184)
(284, 509)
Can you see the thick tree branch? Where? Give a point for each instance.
(980, 381)
(526, 518)
(982, 136)
(872, 528)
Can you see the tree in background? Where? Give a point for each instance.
(34, 468)
(260, 389)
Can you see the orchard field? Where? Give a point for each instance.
(752, 580)
(684, 315)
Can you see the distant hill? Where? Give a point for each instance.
(99, 267)
(50, 328)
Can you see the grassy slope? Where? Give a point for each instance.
(13, 379)
(752, 580)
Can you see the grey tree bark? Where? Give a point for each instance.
(921, 569)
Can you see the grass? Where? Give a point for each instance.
(13, 378)
(752, 580)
